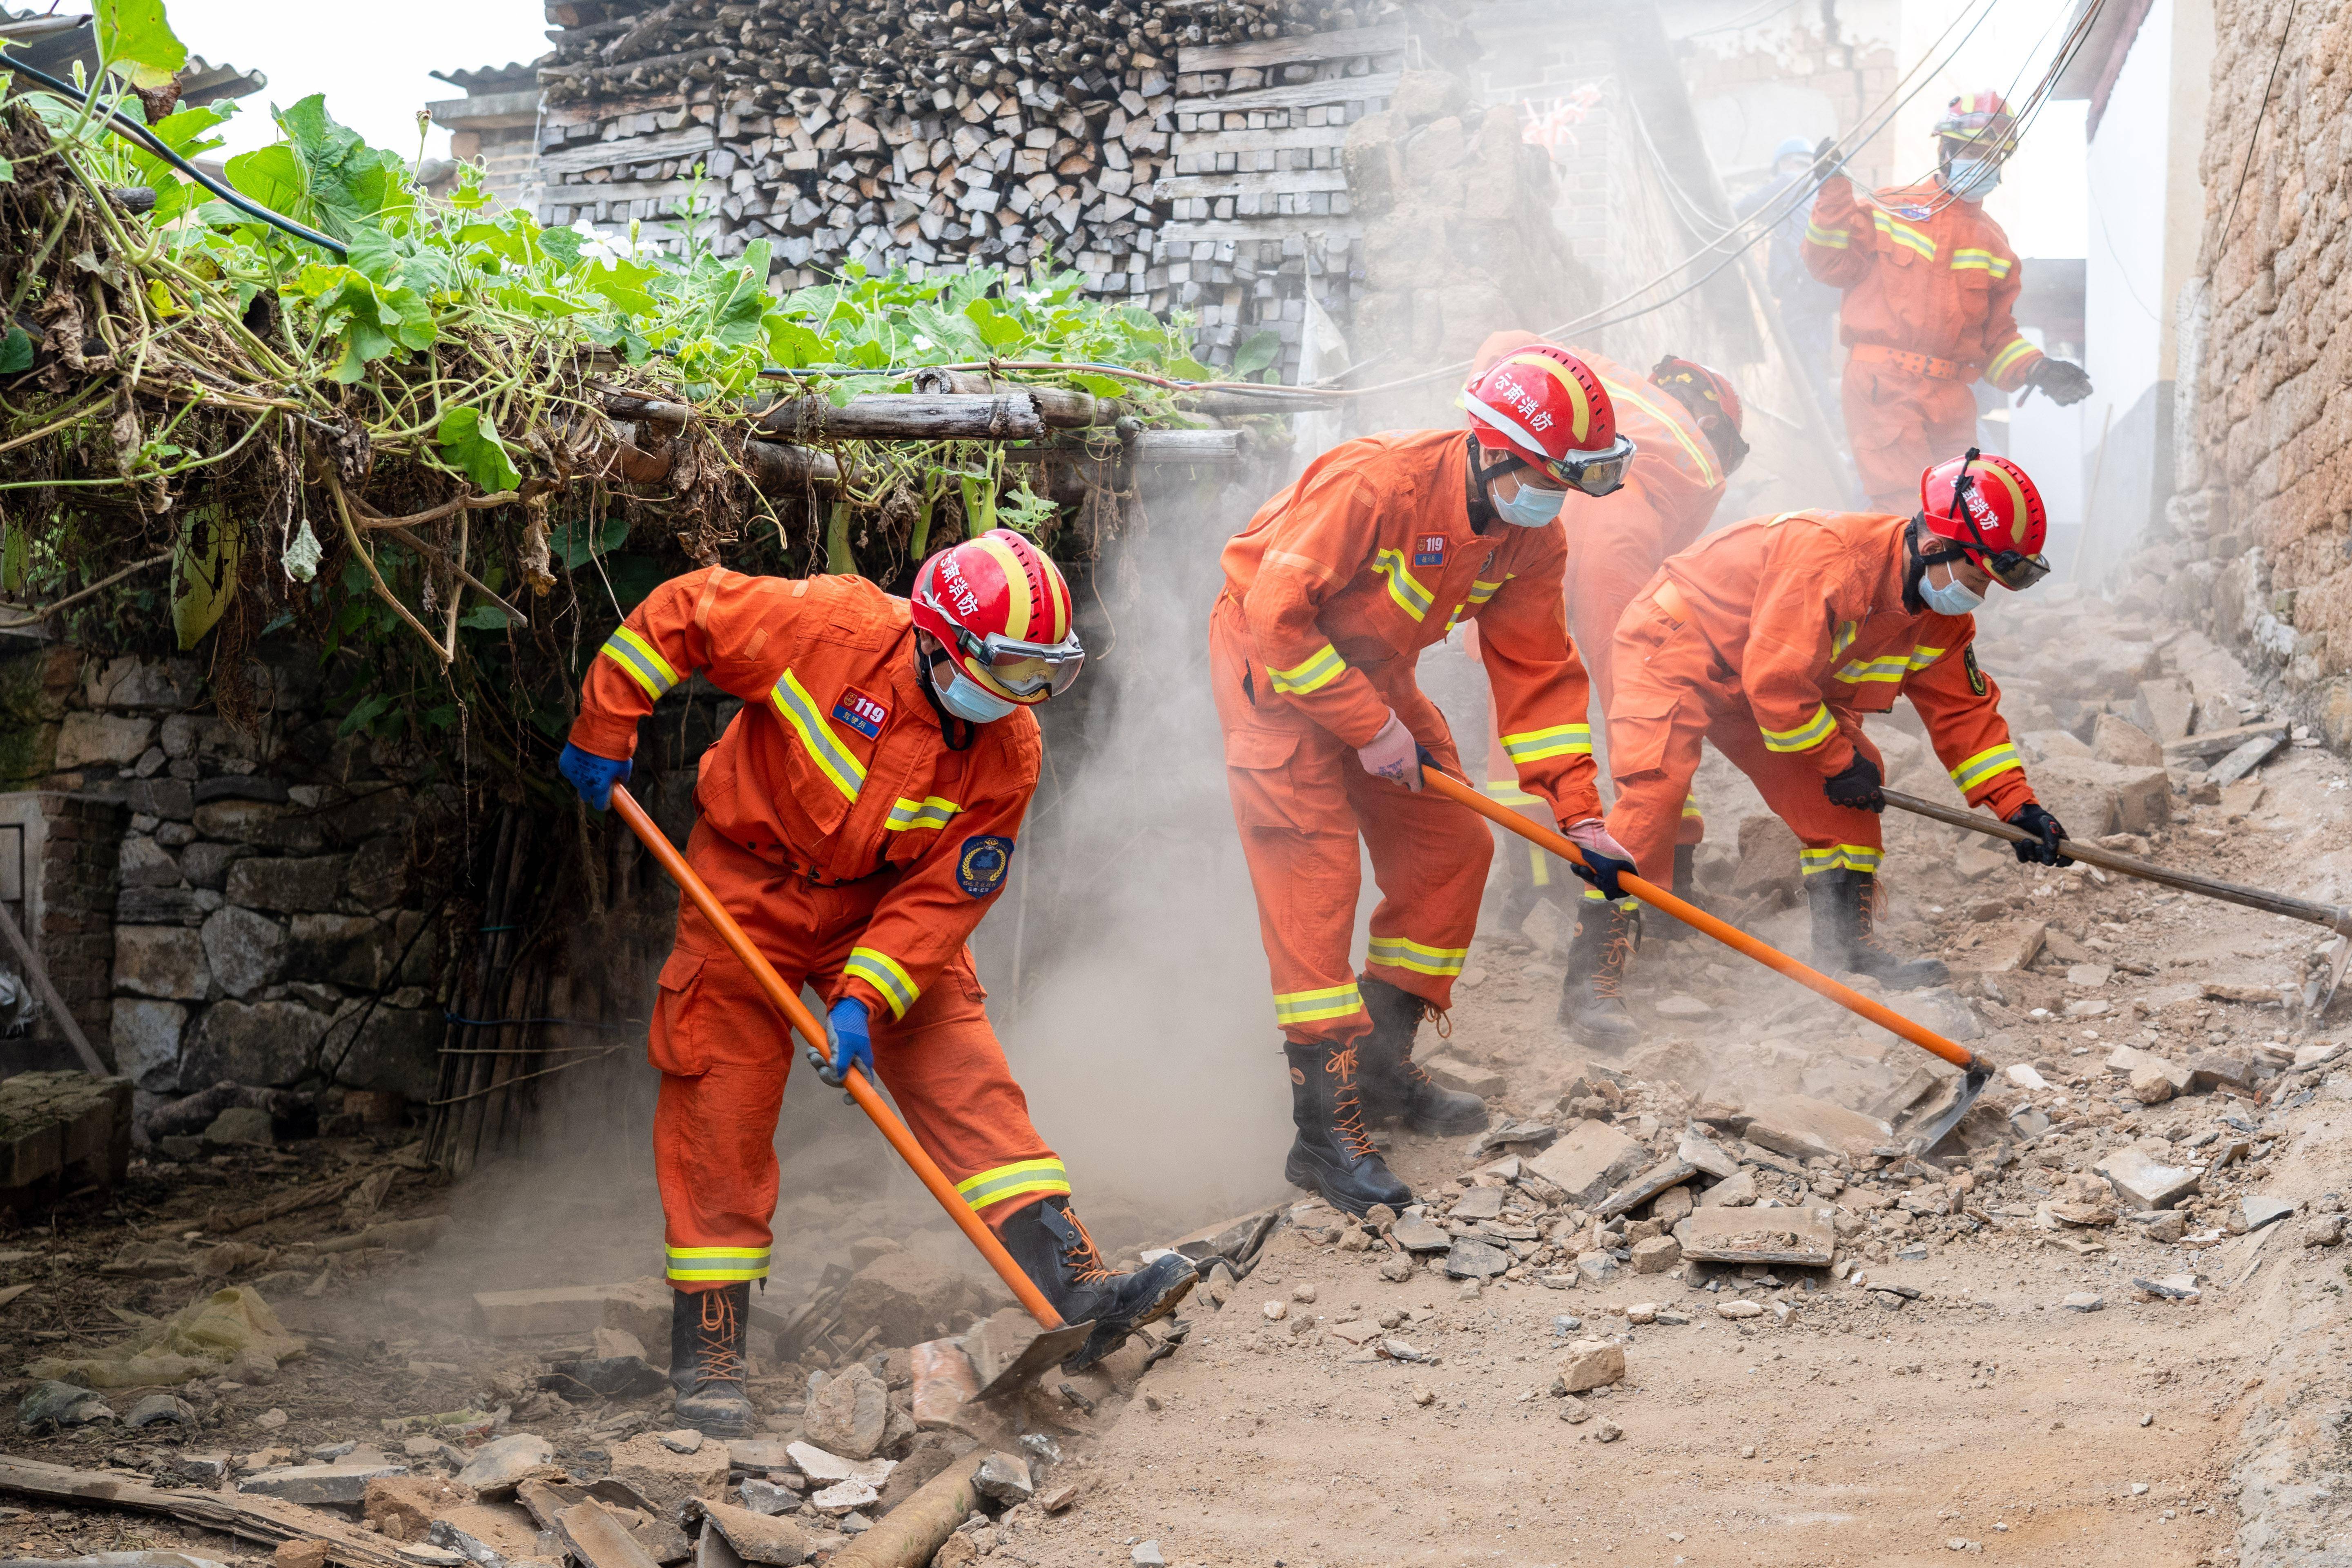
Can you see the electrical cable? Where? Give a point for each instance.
(2253, 139)
(130, 130)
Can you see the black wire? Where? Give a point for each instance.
(2221, 238)
(137, 132)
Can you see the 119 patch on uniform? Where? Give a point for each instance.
(981, 863)
(1976, 676)
(1429, 550)
(860, 713)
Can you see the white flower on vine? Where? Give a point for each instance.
(1033, 296)
(610, 248)
(921, 343)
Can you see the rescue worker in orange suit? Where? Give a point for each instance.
(1379, 547)
(1686, 424)
(857, 818)
(1931, 287)
(1773, 638)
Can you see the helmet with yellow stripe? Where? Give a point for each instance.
(1981, 122)
(999, 606)
(1986, 508)
(1544, 407)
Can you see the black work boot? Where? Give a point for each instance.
(1590, 1005)
(1844, 906)
(706, 1359)
(1333, 1154)
(1686, 888)
(1054, 1250)
(1394, 1089)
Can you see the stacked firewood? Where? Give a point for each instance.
(989, 131)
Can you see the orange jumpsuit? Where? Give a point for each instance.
(858, 849)
(1331, 592)
(1773, 638)
(1616, 541)
(1931, 288)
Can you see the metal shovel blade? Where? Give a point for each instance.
(1931, 1125)
(1010, 1349)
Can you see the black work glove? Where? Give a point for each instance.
(2042, 848)
(1857, 787)
(1825, 159)
(2064, 381)
(1603, 871)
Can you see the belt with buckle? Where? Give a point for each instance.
(1911, 363)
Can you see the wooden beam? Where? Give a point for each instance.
(1296, 138)
(1258, 182)
(654, 149)
(1338, 46)
(910, 416)
(1297, 95)
(48, 993)
(263, 1519)
(1271, 227)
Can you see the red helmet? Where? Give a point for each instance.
(1990, 512)
(1981, 119)
(1699, 388)
(1544, 407)
(1000, 605)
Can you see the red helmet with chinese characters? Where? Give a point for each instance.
(1000, 605)
(1546, 407)
(1988, 509)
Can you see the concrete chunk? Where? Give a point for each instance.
(558, 1309)
(2143, 1183)
(313, 1486)
(756, 1537)
(944, 1382)
(1804, 1237)
(1804, 1128)
(1471, 1259)
(1706, 1155)
(1591, 1363)
(1589, 1159)
(1415, 1234)
(1646, 1186)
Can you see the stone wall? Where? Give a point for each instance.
(221, 904)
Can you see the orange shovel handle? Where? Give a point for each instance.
(1729, 935)
(869, 1098)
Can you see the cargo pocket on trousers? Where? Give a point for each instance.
(1257, 770)
(675, 1043)
(1639, 730)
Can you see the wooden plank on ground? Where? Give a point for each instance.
(1343, 45)
(253, 1518)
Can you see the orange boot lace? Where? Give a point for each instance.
(721, 1360)
(1616, 952)
(1082, 1258)
(1347, 1108)
(1430, 1013)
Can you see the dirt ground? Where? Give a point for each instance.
(1843, 1424)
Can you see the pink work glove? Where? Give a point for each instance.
(1391, 754)
(1605, 858)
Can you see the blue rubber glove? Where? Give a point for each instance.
(847, 1032)
(592, 775)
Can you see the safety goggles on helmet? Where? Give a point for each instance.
(1593, 473)
(2012, 569)
(1024, 668)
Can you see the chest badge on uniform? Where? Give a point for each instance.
(1429, 550)
(981, 863)
(860, 713)
(1976, 676)
(1916, 215)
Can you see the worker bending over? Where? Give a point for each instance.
(1684, 422)
(857, 819)
(1773, 639)
(1332, 592)
(1931, 287)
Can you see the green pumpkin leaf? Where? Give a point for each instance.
(137, 43)
(15, 351)
(471, 443)
(1255, 352)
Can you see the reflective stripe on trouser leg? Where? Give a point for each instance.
(1429, 858)
(1692, 829)
(1830, 837)
(1839, 858)
(1021, 1179)
(716, 1265)
(1593, 894)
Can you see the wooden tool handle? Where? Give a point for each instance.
(2334, 917)
(1731, 936)
(869, 1098)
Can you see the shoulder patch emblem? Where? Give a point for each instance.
(1429, 550)
(865, 714)
(1976, 676)
(981, 863)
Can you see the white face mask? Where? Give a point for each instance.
(1954, 598)
(968, 699)
(1530, 508)
(1972, 179)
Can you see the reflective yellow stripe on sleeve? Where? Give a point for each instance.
(1903, 235)
(1805, 736)
(2014, 350)
(1018, 1179)
(645, 666)
(825, 749)
(1840, 857)
(1843, 638)
(882, 971)
(1322, 669)
(1828, 238)
(1311, 1006)
(1403, 587)
(1894, 667)
(1402, 952)
(1479, 594)
(1984, 764)
(931, 811)
(1508, 791)
(691, 1265)
(1560, 741)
